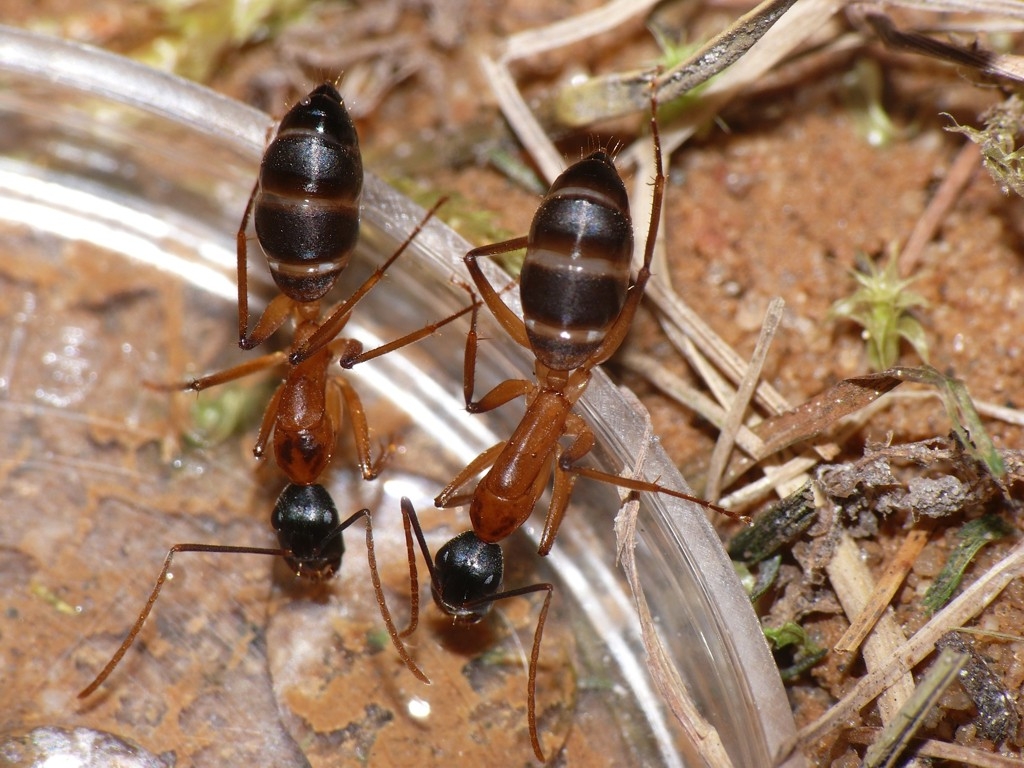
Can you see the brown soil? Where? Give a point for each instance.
(779, 204)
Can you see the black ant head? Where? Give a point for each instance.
(307, 525)
(467, 572)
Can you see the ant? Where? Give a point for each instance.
(578, 306)
(309, 530)
(305, 207)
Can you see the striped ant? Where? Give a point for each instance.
(578, 306)
(305, 207)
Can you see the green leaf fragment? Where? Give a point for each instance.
(962, 413)
(808, 653)
(777, 527)
(973, 536)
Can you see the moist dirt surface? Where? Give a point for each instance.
(778, 197)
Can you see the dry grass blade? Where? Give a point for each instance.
(966, 606)
(895, 737)
(659, 663)
(621, 93)
(943, 750)
(886, 588)
(957, 753)
(739, 405)
(1007, 8)
(1001, 412)
(788, 475)
(676, 313)
(960, 172)
(823, 410)
(722, 50)
(525, 126)
(989, 62)
(574, 29)
(853, 584)
(690, 398)
(801, 21)
(843, 399)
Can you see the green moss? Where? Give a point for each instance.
(881, 305)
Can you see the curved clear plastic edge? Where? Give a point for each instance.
(703, 615)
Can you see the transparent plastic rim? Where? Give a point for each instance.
(731, 648)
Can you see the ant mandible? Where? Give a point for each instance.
(578, 306)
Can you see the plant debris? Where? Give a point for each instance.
(973, 536)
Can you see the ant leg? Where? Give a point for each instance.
(649, 487)
(137, 627)
(619, 329)
(414, 582)
(410, 520)
(349, 361)
(501, 394)
(378, 591)
(505, 392)
(449, 496)
(469, 363)
(338, 316)
(531, 690)
(234, 373)
(267, 423)
(531, 686)
(565, 479)
(273, 317)
(505, 316)
(369, 467)
(469, 360)
(242, 254)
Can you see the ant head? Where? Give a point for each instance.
(307, 525)
(467, 572)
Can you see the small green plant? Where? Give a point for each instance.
(863, 91)
(807, 653)
(881, 305)
(998, 143)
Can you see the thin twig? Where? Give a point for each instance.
(886, 588)
(960, 173)
(853, 585)
(740, 403)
